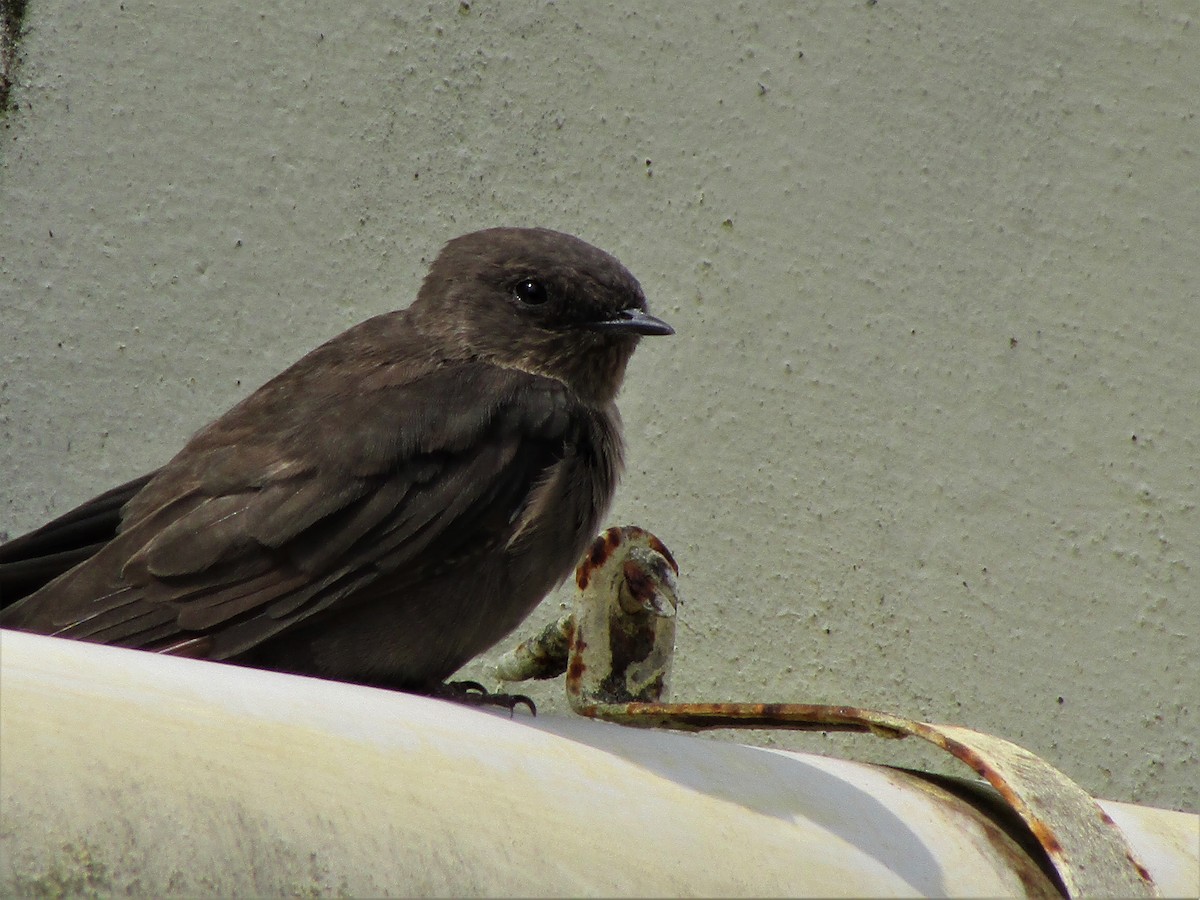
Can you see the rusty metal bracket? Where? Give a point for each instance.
(616, 649)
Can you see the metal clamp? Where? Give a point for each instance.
(616, 649)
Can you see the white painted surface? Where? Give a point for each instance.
(155, 774)
(876, 497)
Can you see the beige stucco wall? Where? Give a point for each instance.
(927, 439)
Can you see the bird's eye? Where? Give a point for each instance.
(531, 292)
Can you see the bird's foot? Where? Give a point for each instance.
(472, 693)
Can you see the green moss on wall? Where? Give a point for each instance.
(12, 13)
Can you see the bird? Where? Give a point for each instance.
(388, 507)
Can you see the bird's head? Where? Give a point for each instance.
(537, 300)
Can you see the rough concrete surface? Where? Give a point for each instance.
(927, 439)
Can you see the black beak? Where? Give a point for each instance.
(632, 321)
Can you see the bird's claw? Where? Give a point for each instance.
(472, 693)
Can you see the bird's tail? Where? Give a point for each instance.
(36, 558)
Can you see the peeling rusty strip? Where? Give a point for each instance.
(1088, 850)
(707, 716)
(621, 640)
(1085, 844)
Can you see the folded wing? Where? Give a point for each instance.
(236, 540)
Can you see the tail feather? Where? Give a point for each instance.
(37, 558)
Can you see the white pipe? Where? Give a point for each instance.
(127, 771)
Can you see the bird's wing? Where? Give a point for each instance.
(31, 560)
(236, 541)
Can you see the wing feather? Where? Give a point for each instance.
(32, 560)
(297, 518)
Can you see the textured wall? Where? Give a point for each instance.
(927, 439)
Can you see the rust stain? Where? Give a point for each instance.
(1048, 840)
(575, 665)
(633, 532)
(741, 715)
(1143, 873)
(602, 548)
(660, 548)
(1024, 857)
(971, 758)
(968, 755)
(641, 585)
(1045, 836)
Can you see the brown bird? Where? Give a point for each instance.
(387, 508)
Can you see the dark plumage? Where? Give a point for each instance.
(388, 507)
